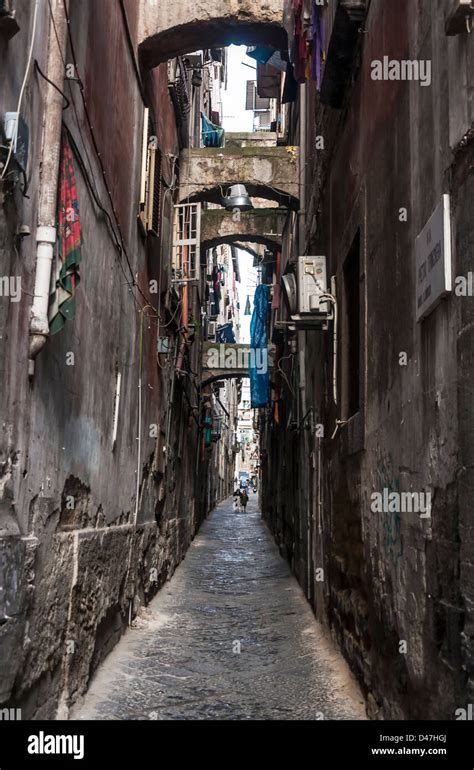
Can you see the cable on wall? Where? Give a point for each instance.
(22, 90)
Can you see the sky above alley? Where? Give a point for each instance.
(240, 68)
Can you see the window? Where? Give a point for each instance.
(351, 332)
(253, 101)
(151, 181)
(186, 241)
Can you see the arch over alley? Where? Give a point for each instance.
(174, 29)
(271, 173)
(258, 226)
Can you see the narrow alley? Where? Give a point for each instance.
(236, 270)
(231, 636)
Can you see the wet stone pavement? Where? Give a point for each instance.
(230, 636)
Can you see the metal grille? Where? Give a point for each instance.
(154, 220)
(186, 242)
(182, 89)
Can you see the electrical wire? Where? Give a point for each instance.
(70, 83)
(40, 72)
(23, 173)
(285, 358)
(173, 317)
(327, 297)
(89, 175)
(22, 90)
(124, 251)
(101, 208)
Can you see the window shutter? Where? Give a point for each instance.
(153, 200)
(150, 188)
(186, 242)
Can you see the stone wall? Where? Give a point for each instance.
(171, 29)
(387, 578)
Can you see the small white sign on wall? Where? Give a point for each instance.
(433, 260)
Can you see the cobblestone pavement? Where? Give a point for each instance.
(232, 592)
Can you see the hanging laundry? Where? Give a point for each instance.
(260, 53)
(259, 375)
(318, 50)
(66, 277)
(225, 333)
(304, 22)
(216, 284)
(212, 135)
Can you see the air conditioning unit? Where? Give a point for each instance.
(312, 282)
(304, 295)
(212, 330)
(211, 311)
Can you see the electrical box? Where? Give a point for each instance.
(312, 282)
(164, 345)
(19, 136)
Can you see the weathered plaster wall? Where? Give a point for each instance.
(258, 226)
(390, 577)
(267, 172)
(74, 578)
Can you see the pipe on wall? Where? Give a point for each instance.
(46, 232)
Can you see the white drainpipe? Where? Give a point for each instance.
(46, 233)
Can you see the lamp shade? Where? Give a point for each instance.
(237, 197)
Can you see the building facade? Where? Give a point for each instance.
(118, 268)
(104, 472)
(385, 117)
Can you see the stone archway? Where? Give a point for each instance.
(271, 173)
(258, 226)
(223, 361)
(172, 29)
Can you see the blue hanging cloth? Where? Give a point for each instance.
(212, 135)
(259, 376)
(226, 334)
(260, 53)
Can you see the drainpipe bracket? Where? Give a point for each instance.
(46, 234)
